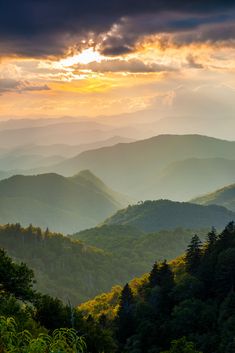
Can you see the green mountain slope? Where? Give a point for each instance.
(62, 204)
(134, 248)
(151, 216)
(63, 268)
(134, 168)
(78, 270)
(224, 197)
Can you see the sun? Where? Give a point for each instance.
(85, 57)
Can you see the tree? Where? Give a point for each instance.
(211, 240)
(161, 275)
(193, 255)
(182, 346)
(51, 313)
(125, 315)
(225, 272)
(15, 279)
(154, 275)
(226, 236)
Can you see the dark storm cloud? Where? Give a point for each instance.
(182, 28)
(48, 27)
(12, 85)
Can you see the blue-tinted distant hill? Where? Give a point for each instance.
(60, 203)
(224, 197)
(154, 168)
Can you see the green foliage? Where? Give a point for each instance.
(193, 255)
(15, 279)
(187, 306)
(125, 315)
(69, 270)
(76, 271)
(182, 346)
(61, 341)
(145, 248)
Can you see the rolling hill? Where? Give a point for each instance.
(150, 216)
(223, 197)
(137, 168)
(60, 203)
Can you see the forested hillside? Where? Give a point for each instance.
(135, 247)
(185, 306)
(63, 268)
(32, 322)
(151, 216)
(76, 271)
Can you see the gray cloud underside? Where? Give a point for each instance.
(129, 66)
(11, 85)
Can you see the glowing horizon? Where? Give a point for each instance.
(174, 64)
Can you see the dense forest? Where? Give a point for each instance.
(185, 306)
(64, 268)
(78, 270)
(182, 306)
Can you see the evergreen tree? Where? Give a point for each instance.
(125, 316)
(154, 275)
(193, 255)
(211, 240)
(166, 276)
(226, 236)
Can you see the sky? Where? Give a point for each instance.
(99, 57)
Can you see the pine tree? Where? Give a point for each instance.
(211, 240)
(193, 254)
(166, 276)
(125, 316)
(225, 236)
(154, 275)
(161, 275)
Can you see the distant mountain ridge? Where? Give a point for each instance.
(151, 216)
(137, 168)
(223, 197)
(60, 203)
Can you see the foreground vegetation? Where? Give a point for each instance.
(61, 340)
(185, 306)
(191, 299)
